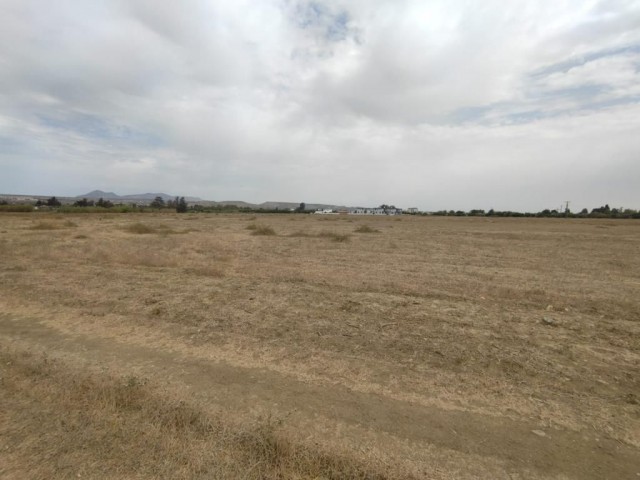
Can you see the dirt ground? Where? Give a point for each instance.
(424, 347)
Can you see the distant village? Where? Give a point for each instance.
(382, 210)
(102, 201)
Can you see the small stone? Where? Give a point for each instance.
(549, 321)
(549, 308)
(540, 433)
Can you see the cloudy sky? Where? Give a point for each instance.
(433, 104)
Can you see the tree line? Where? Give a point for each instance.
(180, 205)
(600, 212)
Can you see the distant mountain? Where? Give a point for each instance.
(149, 197)
(237, 203)
(136, 197)
(99, 194)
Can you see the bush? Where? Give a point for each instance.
(16, 208)
(45, 226)
(263, 230)
(140, 228)
(336, 237)
(366, 229)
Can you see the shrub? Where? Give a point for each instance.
(263, 230)
(366, 229)
(140, 228)
(45, 226)
(16, 208)
(336, 237)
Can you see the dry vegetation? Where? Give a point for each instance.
(273, 347)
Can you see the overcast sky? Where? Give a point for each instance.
(449, 104)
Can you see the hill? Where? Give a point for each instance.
(136, 197)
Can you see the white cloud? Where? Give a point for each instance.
(436, 105)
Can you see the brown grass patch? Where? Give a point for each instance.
(366, 229)
(206, 271)
(71, 424)
(336, 237)
(144, 229)
(261, 230)
(46, 226)
(140, 229)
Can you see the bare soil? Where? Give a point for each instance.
(415, 347)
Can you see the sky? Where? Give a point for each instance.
(512, 105)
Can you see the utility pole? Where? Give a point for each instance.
(566, 207)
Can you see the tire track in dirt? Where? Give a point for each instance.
(513, 443)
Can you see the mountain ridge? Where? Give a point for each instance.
(148, 197)
(135, 196)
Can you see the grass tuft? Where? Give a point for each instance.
(206, 271)
(139, 229)
(336, 237)
(263, 230)
(45, 226)
(366, 229)
(300, 234)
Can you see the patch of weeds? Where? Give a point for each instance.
(140, 228)
(263, 230)
(300, 234)
(81, 237)
(165, 229)
(206, 271)
(45, 226)
(17, 268)
(70, 224)
(632, 399)
(366, 229)
(341, 238)
(336, 237)
(252, 226)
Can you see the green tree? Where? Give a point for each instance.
(83, 203)
(181, 205)
(53, 202)
(158, 202)
(104, 203)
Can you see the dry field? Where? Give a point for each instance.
(301, 346)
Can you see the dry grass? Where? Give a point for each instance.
(366, 229)
(441, 315)
(144, 229)
(45, 226)
(336, 237)
(105, 426)
(261, 229)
